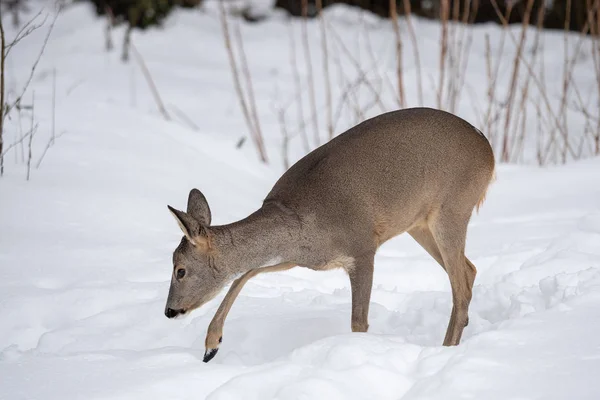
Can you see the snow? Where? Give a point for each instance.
(86, 244)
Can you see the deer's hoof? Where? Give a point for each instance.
(209, 354)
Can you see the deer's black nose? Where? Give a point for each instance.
(170, 313)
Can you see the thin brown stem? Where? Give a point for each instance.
(2, 111)
(595, 50)
(464, 47)
(562, 117)
(358, 68)
(375, 64)
(53, 133)
(237, 84)
(443, 49)
(157, 99)
(540, 156)
(328, 111)
(285, 143)
(538, 84)
(394, 18)
(32, 128)
(185, 118)
(309, 72)
(25, 31)
(505, 156)
(517, 143)
(5, 108)
(413, 38)
(250, 88)
(298, 88)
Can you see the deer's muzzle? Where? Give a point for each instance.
(171, 313)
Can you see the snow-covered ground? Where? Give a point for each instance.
(85, 247)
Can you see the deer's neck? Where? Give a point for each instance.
(266, 237)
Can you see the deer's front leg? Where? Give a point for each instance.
(214, 336)
(361, 282)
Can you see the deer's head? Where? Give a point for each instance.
(197, 276)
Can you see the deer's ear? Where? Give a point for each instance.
(198, 208)
(191, 228)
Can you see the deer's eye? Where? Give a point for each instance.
(180, 273)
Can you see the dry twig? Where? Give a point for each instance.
(309, 71)
(258, 142)
(394, 18)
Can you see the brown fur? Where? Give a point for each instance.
(421, 171)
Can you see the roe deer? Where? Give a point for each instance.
(420, 171)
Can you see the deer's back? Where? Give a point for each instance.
(389, 170)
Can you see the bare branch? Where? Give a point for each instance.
(184, 117)
(358, 68)
(26, 30)
(297, 86)
(16, 143)
(537, 82)
(286, 139)
(2, 110)
(444, 10)
(150, 81)
(325, 68)
(17, 101)
(237, 84)
(251, 97)
(413, 38)
(513, 82)
(394, 18)
(53, 135)
(309, 71)
(48, 145)
(33, 129)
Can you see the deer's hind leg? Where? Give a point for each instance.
(449, 230)
(424, 237)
